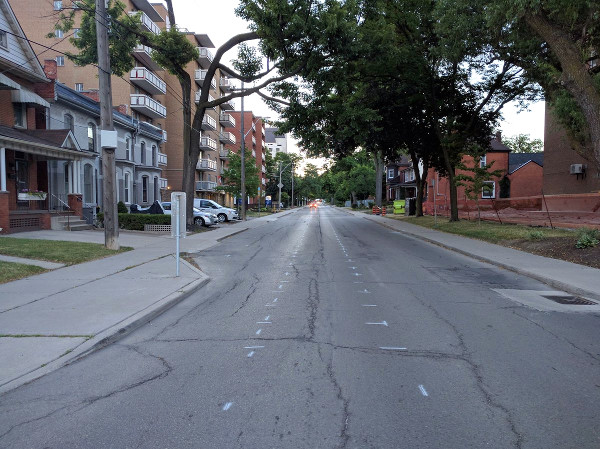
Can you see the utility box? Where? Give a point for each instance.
(399, 206)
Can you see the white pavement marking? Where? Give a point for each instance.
(258, 332)
(358, 282)
(383, 323)
(267, 317)
(287, 273)
(251, 353)
(268, 322)
(364, 291)
(227, 255)
(349, 260)
(369, 305)
(353, 268)
(227, 406)
(275, 300)
(392, 348)
(253, 347)
(280, 286)
(270, 305)
(423, 390)
(357, 274)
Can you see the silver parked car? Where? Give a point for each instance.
(201, 218)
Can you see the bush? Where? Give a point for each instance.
(121, 208)
(354, 206)
(587, 238)
(536, 235)
(136, 222)
(370, 204)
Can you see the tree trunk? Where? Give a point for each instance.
(420, 180)
(575, 76)
(378, 178)
(352, 198)
(451, 186)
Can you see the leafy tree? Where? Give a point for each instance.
(232, 181)
(475, 180)
(522, 143)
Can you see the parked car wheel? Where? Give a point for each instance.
(199, 221)
(222, 218)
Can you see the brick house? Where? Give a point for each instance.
(27, 147)
(399, 179)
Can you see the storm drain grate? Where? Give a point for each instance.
(570, 300)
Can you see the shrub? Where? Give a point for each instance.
(121, 208)
(536, 235)
(136, 222)
(354, 206)
(587, 238)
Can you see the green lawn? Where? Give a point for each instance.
(488, 231)
(10, 271)
(69, 253)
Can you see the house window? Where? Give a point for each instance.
(91, 132)
(79, 87)
(3, 39)
(69, 123)
(390, 173)
(57, 5)
(144, 189)
(126, 182)
(156, 189)
(489, 189)
(143, 153)
(60, 61)
(483, 161)
(88, 181)
(76, 33)
(127, 148)
(20, 111)
(58, 34)
(154, 156)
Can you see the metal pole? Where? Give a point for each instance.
(279, 200)
(434, 205)
(292, 202)
(178, 226)
(111, 218)
(243, 165)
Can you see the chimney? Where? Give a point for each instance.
(92, 94)
(499, 136)
(50, 69)
(122, 108)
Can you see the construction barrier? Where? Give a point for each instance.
(383, 210)
(399, 206)
(376, 210)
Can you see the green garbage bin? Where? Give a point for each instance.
(399, 206)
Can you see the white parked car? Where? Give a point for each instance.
(201, 218)
(223, 213)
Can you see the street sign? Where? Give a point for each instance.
(268, 197)
(259, 190)
(280, 185)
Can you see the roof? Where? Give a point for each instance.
(40, 136)
(271, 135)
(518, 160)
(57, 144)
(497, 145)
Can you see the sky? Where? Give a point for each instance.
(218, 20)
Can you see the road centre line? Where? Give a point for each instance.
(253, 347)
(423, 391)
(392, 348)
(369, 305)
(263, 322)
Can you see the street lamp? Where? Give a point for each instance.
(280, 185)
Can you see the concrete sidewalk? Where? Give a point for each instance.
(53, 318)
(569, 277)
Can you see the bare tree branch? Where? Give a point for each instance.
(276, 100)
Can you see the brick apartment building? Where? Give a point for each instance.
(254, 129)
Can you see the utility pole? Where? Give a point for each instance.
(292, 203)
(243, 165)
(108, 136)
(280, 185)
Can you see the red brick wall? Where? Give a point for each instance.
(7, 115)
(76, 204)
(526, 181)
(30, 118)
(4, 210)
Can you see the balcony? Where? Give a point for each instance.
(147, 23)
(253, 140)
(143, 54)
(208, 144)
(200, 77)
(147, 106)
(226, 137)
(228, 105)
(208, 123)
(206, 165)
(226, 84)
(264, 182)
(205, 186)
(227, 120)
(162, 159)
(210, 98)
(163, 183)
(224, 154)
(205, 57)
(144, 78)
(253, 153)
(164, 135)
(264, 169)
(262, 128)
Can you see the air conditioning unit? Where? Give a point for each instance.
(577, 169)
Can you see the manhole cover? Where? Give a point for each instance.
(570, 300)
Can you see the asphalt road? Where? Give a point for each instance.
(325, 330)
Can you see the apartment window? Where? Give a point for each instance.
(69, 122)
(489, 189)
(143, 153)
(58, 5)
(144, 189)
(391, 173)
(156, 189)
(60, 61)
(58, 34)
(79, 87)
(20, 111)
(126, 188)
(76, 33)
(127, 148)
(3, 39)
(88, 178)
(483, 161)
(154, 156)
(91, 132)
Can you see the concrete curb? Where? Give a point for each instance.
(238, 231)
(569, 288)
(113, 333)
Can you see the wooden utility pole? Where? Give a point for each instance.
(108, 136)
(243, 164)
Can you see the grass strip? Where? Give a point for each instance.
(68, 253)
(10, 271)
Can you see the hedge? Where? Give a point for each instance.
(136, 222)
